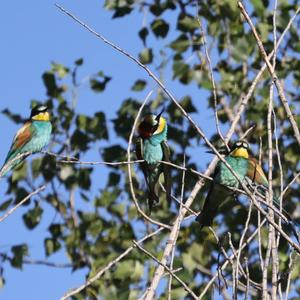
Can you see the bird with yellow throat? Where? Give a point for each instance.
(32, 137)
(245, 167)
(152, 148)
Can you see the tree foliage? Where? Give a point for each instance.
(93, 229)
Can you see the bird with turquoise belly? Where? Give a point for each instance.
(246, 167)
(222, 179)
(152, 147)
(32, 137)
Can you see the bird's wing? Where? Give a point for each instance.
(167, 170)
(139, 150)
(256, 173)
(22, 137)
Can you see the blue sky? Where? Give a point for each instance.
(34, 33)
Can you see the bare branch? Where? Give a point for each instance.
(41, 188)
(272, 72)
(108, 266)
(191, 293)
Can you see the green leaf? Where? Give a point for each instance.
(178, 293)
(99, 82)
(79, 62)
(113, 179)
(129, 269)
(146, 56)
(20, 172)
(114, 153)
(118, 209)
(60, 70)
(36, 167)
(53, 90)
(181, 44)
(259, 7)
(139, 85)
(33, 217)
(187, 23)
(56, 230)
(122, 11)
(160, 28)
(5, 204)
(19, 252)
(51, 246)
(143, 33)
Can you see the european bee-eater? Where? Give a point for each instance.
(223, 178)
(31, 138)
(152, 147)
(245, 167)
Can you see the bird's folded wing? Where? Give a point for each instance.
(23, 136)
(167, 170)
(139, 150)
(256, 173)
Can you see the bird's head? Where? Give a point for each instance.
(240, 149)
(40, 113)
(152, 125)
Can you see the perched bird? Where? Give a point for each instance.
(31, 138)
(152, 147)
(218, 193)
(246, 167)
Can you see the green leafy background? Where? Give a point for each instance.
(104, 221)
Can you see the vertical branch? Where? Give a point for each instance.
(289, 276)
(272, 237)
(180, 209)
(235, 269)
(259, 216)
(272, 72)
(214, 90)
(248, 279)
(239, 251)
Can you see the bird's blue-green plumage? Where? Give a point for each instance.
(39, 136)
(152, 148)
(225, 177)
(153, 152)
(244, 167)
(218, 192)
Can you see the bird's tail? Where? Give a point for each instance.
(206, 218)
(153, 199)
(4, 170)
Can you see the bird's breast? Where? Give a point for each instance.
(239, 165)
(152, 153)
(41, 137)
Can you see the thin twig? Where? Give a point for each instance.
(40, 189)
(289, 184)
(211, 74)
(251, 237)
(191, 293)
(174, 242)
(37, 262)
(107, 163)
(236, 279)
(280, 90)
(108, 266)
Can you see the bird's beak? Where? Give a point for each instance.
(159, 115)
